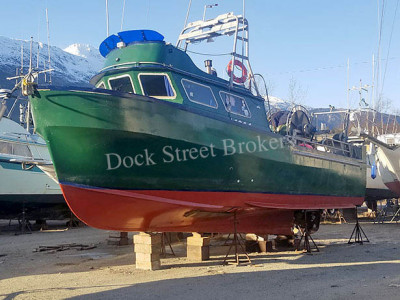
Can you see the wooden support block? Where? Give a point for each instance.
(147, 249)
(198, 241)
(144, 257)
(198, 247)
(148, 265)
(197, 253)
(147, 239)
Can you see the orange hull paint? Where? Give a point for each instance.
(189, 211)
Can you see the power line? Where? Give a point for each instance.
(330, 67)
(390, 42)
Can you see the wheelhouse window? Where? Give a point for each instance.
(21, 150)
(15, 149)
(5, 148)
(101, 85)
(157, 85)
(235, 104)
(121, 84)
(199, 93)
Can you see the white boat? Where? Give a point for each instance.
(22, 183)
(376, 188)
(387, 157)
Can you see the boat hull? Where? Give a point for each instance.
(169, 211)
(114, 151)
(30, 190)
(389, 167)
(161, 210)
(376, 188)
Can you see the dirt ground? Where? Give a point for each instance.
(338, 271)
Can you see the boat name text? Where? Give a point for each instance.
(174, 154)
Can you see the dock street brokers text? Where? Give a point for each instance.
(170, 154)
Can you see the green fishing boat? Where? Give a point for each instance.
(160, 145)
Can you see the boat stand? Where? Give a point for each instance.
(236, 244)
(358, 233)
(23, 222)
(166, 241)
(305, 234)
(396, 216)
(73, 221)
(307, 246)
(229, 240)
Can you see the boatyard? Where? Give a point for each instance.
(167, 164)
(339, 271)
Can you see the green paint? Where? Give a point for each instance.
(131, 142)
(92, 126)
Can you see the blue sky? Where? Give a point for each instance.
(307, 42)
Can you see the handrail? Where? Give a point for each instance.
(326, 146)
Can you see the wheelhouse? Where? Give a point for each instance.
(139, 62)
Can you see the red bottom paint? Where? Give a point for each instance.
(394, 186)
(188, 211)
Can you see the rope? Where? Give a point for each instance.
(390, 42)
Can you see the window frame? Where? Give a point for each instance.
(158, 97)
(240, 97)
(122, 76)
(23, 146)
(101, 83)
(13, 145)
(194, 82)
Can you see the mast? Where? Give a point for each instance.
(22, 58)
(107, 18)
(28, 109)
(123, 14)
(48, 44)
(187, 13)
(30, 56)
(348, 83)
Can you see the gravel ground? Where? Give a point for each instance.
(338, 271)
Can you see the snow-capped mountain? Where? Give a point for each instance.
(90, 53)
(277, 103)
(74, 66)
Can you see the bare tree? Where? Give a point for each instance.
(296, 93)
(383, 107)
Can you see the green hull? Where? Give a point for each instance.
(108, 141)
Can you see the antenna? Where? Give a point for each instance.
(38, 46)
(30, 56)
(48, 44)
(244, 17)
(187, 13)
(37, 55)
(123, 13)
(205, 9)
(44, 68)
(378, 67)
(362, 101)
(372, 95)
(22, 58)
(107, 18)
(348, 84)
